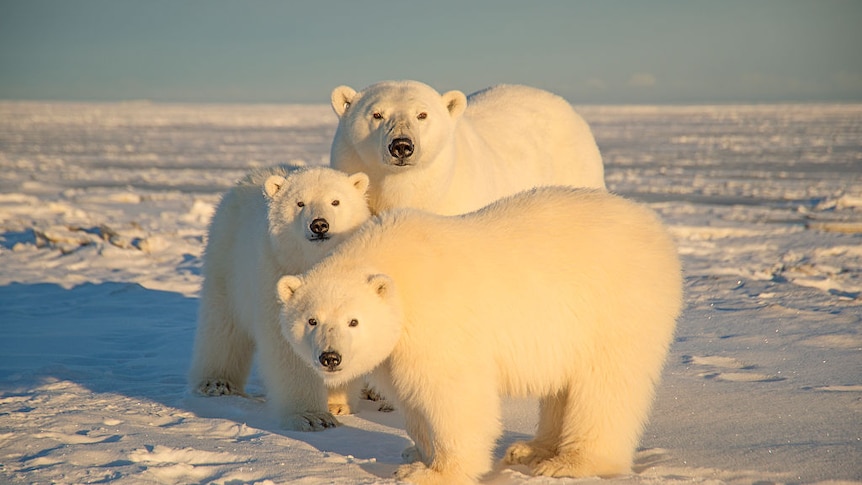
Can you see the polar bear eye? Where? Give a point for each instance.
(336, 202)
(312, 321)
(353, 322)
(422, 115)
(300, 204)
(377, 115)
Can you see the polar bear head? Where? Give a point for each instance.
(313, 209)
(393, 125)
(343, 323)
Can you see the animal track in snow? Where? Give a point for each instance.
(718, 373)
(167, 455)
(82, 438)
(172, 465)
(847, 388)
(715, 361)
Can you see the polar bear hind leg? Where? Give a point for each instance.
(544, 445)
(296, 395)
(587, 430)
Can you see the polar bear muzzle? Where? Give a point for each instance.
(319, 228)
(330, 359)
(401, 148)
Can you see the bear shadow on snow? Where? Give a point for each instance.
(119, 337)
(108, 337)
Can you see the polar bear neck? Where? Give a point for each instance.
(294, 255)
(436, 186)
(423, 188)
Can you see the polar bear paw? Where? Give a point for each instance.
(411, 455)
(385, 406)
(562, 466)
(544, 462)
(422, 475)
(576, 465)
(526, 453)
(413, 473)
(310, 421)
(219, 387)
(339, 408)
(371, 394)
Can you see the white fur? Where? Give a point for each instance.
(259, 233)
(570, 295)
(468, 151)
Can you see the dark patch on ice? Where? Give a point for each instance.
(40, 454)
(853, 295)
(9, 239)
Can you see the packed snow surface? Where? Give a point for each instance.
(103, 214)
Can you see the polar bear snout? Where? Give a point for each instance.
(401, 148)
(319, 227)
(330, 359)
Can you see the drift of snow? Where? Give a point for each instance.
(103, 213)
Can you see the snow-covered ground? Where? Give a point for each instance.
(103, 211)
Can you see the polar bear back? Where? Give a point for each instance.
(532, 138)
(513, 138)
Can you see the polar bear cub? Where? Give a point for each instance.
(451, 153)
(274, 221)
(570, 295)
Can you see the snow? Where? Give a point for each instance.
(103, 213)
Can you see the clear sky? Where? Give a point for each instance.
(590, 51)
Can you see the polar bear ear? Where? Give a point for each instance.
(286, 286)
(360, 181)
(341, 99)
(455, 102)
(381, 284)
(273, 184)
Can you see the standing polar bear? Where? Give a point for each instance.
(273, 222)
(570, 295)
(451, 154)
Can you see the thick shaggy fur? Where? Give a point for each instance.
(570, 295)
(466, 151)
(258, 233)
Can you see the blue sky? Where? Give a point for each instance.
(590, 51)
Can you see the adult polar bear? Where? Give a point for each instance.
(451, 154)
(274, 221)
(570, 295)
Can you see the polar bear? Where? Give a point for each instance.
(570, 295)
(275, 221)
(451, 154)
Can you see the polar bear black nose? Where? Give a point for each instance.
(319, 226)
(401, 147)
(330, 359)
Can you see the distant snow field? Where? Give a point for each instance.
(103, 214)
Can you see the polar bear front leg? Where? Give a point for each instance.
(417, 430)
(296, 395)
(460, 437)
(444, 467)
(223, 352)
